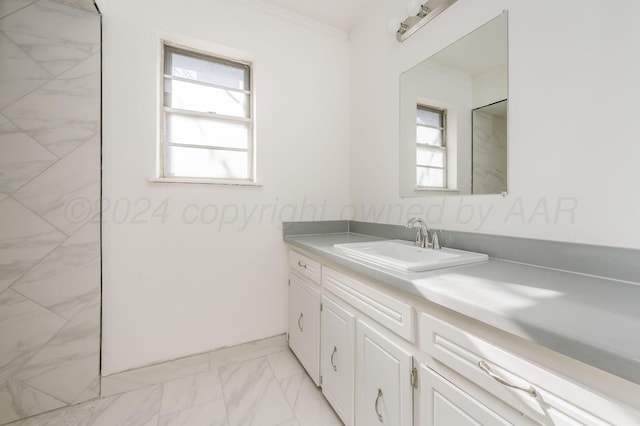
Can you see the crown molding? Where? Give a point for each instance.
(293, 17)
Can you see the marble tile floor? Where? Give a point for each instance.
(259, 384)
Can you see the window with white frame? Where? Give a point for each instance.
(207, 117)
(431, 147)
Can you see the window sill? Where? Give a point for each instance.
(424, 189)
(205, 181)
(426, 192)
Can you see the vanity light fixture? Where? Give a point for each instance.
(421, 13)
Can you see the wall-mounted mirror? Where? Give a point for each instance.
(453, 117)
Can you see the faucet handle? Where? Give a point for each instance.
(435, 244)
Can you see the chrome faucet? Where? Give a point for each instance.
(422, 236)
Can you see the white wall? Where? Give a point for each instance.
(489, 87)
(171, 287)
(573, 91)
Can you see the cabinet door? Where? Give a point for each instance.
(304, 324)
(337, 358)
(443, 404)
(384, 393)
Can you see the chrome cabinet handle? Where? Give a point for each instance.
(485, 367)
(333, 364)
(299, 324)
(302, 265)
(376, 405)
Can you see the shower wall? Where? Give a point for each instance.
(489, 153)
(49, 205)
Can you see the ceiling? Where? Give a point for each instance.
(340, 14)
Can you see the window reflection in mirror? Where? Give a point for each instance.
(440, 152)
(431, 147)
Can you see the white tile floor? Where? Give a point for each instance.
(258, 384)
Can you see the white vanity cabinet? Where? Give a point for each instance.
(337, 324)
(384, 379)
(376, 351)
(304, 320)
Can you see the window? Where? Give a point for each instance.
(431, 149)
(207, 117)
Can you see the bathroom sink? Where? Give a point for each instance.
(403, 255)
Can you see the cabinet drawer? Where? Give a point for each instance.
(305, 266)
(397, 316)
(538, 393)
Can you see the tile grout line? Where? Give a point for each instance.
(54, 76)
(26, 361)
(33, 388)
(43, 257)
(38, 214)
(51, 76)
(54, 163)
(43, 307)
(224, 402)
(18, 10)
(11, 286)
(52, 153)
(224, 395)
(52, 79)
(58, 158)
(279, 382)
(179, 378)
(44, 220)
(160, 404)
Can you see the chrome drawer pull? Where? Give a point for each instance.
(302, 265)
(300, 325)
(333, 364)
(376, 405)
(485, 367)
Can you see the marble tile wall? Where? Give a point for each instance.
(49, 205)
(489, 153)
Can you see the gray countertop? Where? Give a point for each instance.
(591, 319)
